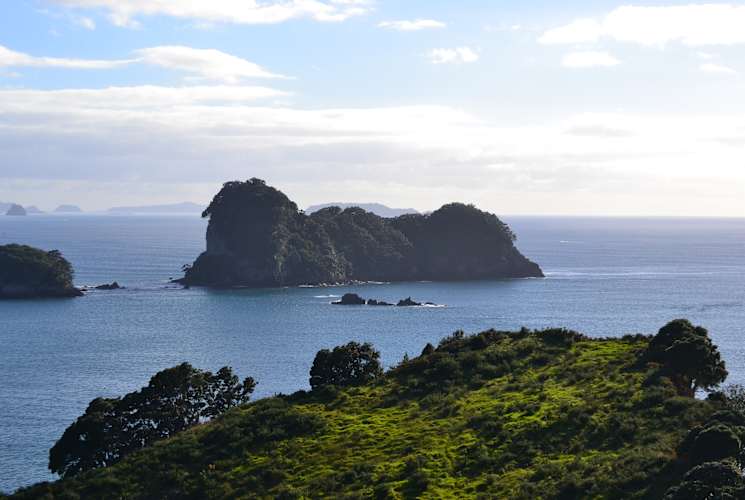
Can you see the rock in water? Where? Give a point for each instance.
(112, 286)
(257, 237)
(408, 303)
(27, 272)
(350, 299)
(373, 302)
(16, 210)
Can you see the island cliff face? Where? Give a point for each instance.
(257, 237)
(27, 272)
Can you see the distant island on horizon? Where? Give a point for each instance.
(257, 237)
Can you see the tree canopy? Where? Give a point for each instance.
(350, 364)
(688, 356)
(175, 399)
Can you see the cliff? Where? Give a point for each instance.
(524, 415)
(257, 237)
(27, 272)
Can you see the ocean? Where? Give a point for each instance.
(605, 277)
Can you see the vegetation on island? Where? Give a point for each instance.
(257, 237)
(30, 272)
(546, 414)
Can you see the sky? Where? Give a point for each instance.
(531, 107)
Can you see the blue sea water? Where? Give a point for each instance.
(605, 277)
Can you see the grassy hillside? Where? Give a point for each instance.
(497, 415)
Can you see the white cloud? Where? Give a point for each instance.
(717, 68)
(85, 22)
(11, 58)
(124, 12)
(416, 25)
(692, 25)
(579, 31)
(589, 59)
(208, 64)
(457, 55)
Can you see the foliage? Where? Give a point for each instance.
(175, 399)
(35, 269)
(710, 481)
(257, 237)
(688, 356)
(527, 415)
(351, 364)
(734, 395)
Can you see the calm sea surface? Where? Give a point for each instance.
(606, 277)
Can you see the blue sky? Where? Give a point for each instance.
(521, 107)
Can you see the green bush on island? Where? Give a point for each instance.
(546, 414)
(257, 237)
(30, 272)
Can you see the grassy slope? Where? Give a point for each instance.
(527, 415)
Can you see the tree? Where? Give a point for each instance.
(711, 480)
(688, 356)
(351, 364)
(175, 399)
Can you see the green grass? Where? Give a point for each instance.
(521, 415)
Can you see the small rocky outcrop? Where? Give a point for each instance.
(350, 299)
(373, 302)
(407, 302)
(16, 210)
(27, 272)
(111, 286)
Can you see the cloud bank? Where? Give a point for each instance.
(208, 64)
(125, 12)
(693, 25)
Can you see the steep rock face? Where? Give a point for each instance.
(27, 272)
(257, 237)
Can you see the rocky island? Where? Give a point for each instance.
(16, 210)
(257, 237)
(27, 272)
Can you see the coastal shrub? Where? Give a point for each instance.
(688, 356)
(734, 397)
(175, 399)
(711, 480)
(715, 443)
(350, 364)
